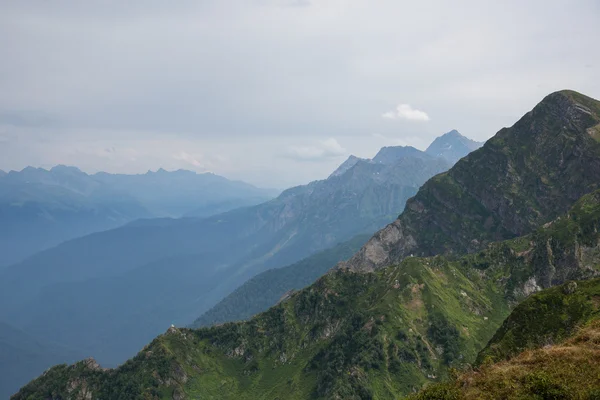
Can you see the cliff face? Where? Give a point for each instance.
(525, 176)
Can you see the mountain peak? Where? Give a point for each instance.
(60, 168)
(345, 166)
(391, 154)
(452, 134)
(452, 146)
(569, 105)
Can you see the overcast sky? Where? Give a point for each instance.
(275, 92)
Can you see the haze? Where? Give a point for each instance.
(274, 92)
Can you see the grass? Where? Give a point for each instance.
(569, 370)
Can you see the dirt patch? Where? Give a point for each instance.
(416, 303)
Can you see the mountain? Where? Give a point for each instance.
(523, 177)
(133, 281)
(391, 154)
(452, 146)
(267, 288)
(177, 193)
(41, 208)
(357, 335)
(346, 165)
(547, 348)
(23, 356)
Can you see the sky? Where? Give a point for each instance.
(275, 92)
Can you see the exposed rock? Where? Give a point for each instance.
(92, 364)
(178, 394)
(570, 288)
(286, 295)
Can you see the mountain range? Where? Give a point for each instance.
(425, 294)
(41, 208)
(131, 282)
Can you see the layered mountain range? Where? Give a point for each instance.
(41, 208)
(425, 294)
(109, 293)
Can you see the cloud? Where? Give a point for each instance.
(324, 149)
(405, 111)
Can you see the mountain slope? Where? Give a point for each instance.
(526, 175)
(267, 288)
(354, 335)
(452, 146)
(547, 348)
(133, 281)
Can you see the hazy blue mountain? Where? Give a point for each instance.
(223, 206)
(2, 173)
(22, 356)
(391, 154)
(452, 146)
(41, 208)
(176, 193)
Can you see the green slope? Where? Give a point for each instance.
(352, 335)
(548, 348)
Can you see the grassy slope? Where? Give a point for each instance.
(560, 330)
